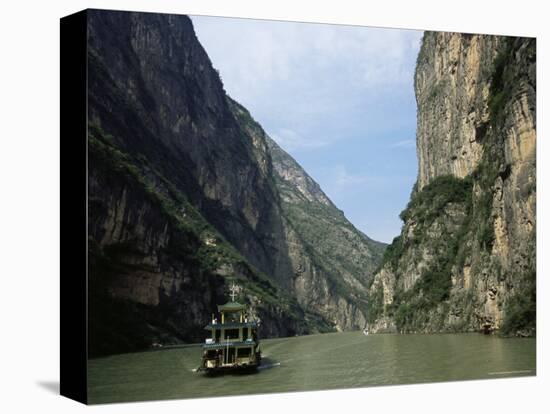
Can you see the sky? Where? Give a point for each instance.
(339, 99)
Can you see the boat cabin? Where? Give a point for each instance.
(233, 341)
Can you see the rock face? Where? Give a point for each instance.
(465, 259)
(187, 192)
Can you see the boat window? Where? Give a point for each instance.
(243, 352)
(229, 357)
(231, 334)
(245, 333)
(232, 317)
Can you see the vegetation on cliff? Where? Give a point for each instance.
(443, 197)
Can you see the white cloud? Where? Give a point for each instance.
(406, 143)
(252, 54)
(290, 140)
(342, 178)
(338, 180)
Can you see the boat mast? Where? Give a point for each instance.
(233, 289)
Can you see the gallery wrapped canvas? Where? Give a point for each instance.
(282, 229)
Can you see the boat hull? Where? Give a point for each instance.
(250, 368)
(219, 365)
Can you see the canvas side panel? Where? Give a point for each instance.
(73, 127)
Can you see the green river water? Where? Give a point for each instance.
(314, 362)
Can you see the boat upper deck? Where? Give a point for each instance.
(225, 344)
(231, 325)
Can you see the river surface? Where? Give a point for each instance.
(314, 362)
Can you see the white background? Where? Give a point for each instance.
(29, 207)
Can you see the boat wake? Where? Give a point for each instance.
(267, 366)
(260, 368)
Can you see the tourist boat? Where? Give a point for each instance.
(233, 342)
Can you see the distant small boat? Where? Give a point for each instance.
(365, 331)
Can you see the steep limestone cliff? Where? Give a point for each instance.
(185, 192)
(465, 259)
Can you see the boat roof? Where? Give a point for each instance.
(230, 325)
(231, 307)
